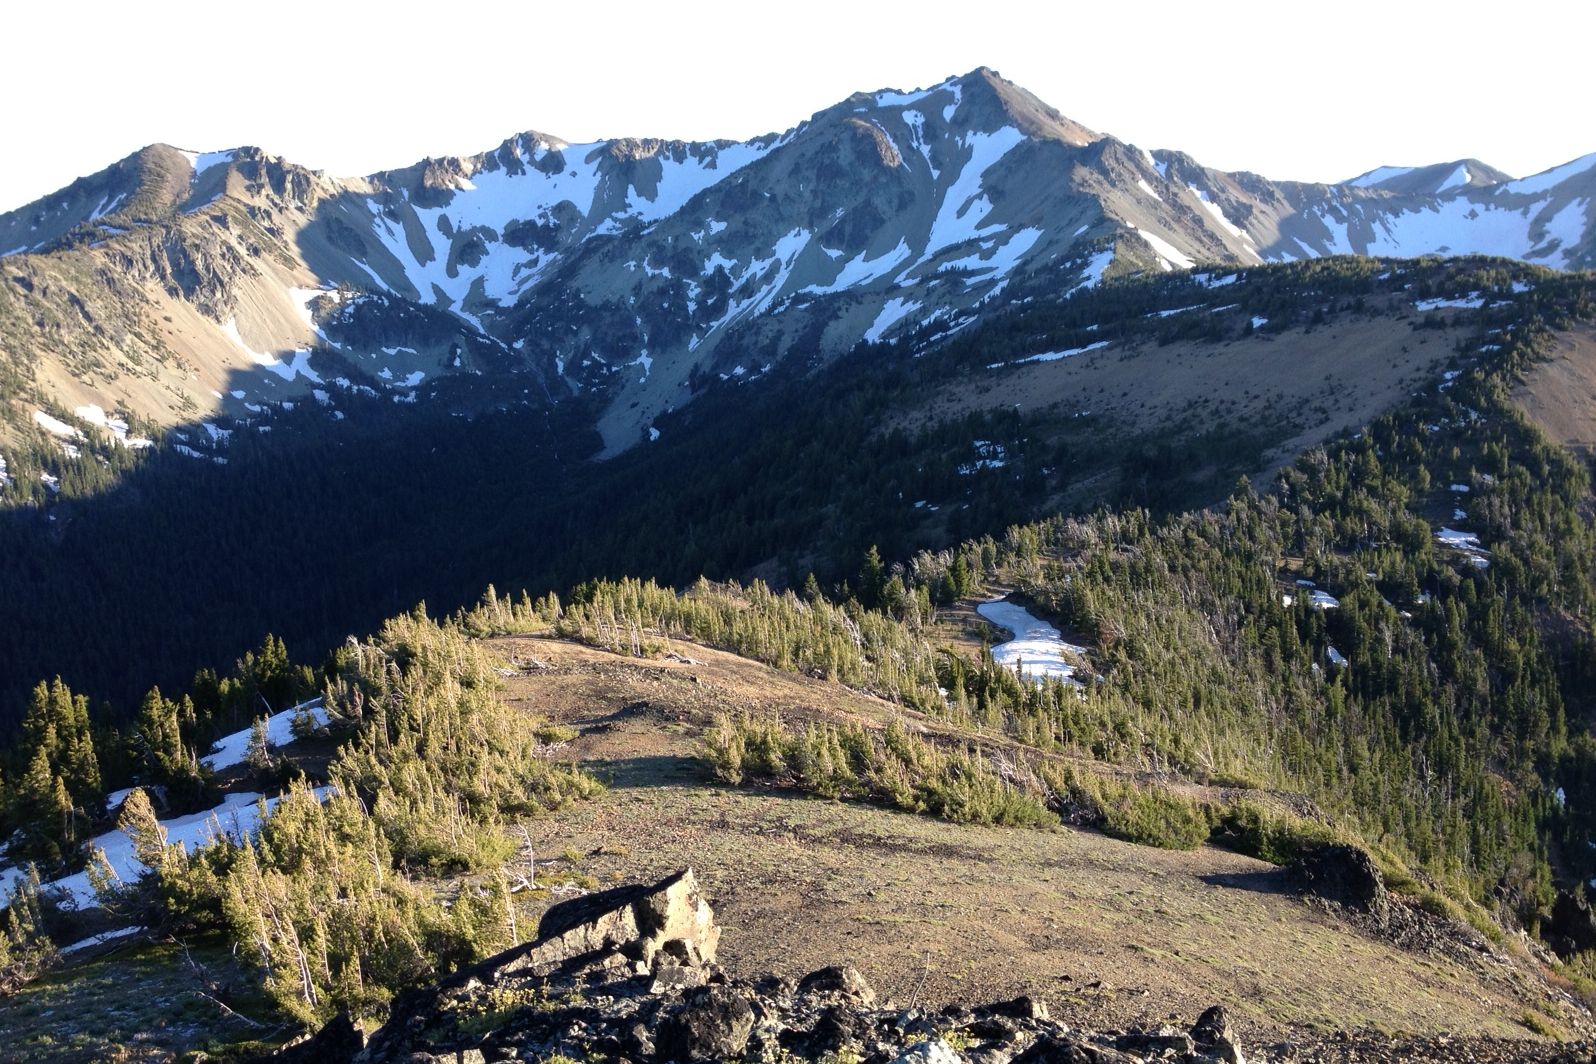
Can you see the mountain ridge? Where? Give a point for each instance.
(625, 271)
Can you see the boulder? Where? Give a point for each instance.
(935, 1051)
(1061, 1049)
(1156, 1043)
(842, 980)
(1345, 875)
(667, 923)
(1211, 1035)
(1573, 926)
(339, 1039)
(713, 1023)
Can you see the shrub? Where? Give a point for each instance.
(1254, 829)
(890, 766)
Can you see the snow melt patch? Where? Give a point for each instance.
(298, 364)
(1051, 356)
(1169, 256)
(1377, 175)
(964, 207)
(861, 270)
(895, 310)
(1037, 651)
(202, 161)
(229, 750)
(99, 940)
(55, 426)
(1451, 537)
(1096, 266)
(1472, 302)
(1550, 179)
(237, 817)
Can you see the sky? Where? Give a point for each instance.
(1316, 92)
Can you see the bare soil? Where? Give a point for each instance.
(1559, 394)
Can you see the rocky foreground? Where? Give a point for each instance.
(629, 975)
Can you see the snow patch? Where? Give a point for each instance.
(1037, 651)
(1051, 356)
(55, 426)
(895, 310)
(229, 750)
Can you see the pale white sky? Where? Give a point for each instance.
(1303, 91)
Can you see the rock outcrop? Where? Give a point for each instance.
(630, 975)
(1573, 925)
(1344, 875)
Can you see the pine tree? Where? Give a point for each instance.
(143, 829)
(258, 755)
(158, 739)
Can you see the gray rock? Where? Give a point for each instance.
(1345, 875)
(668, 922)
(843, 980)
(934, 1051)
(712, 1024)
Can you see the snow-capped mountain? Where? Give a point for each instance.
(628, 271)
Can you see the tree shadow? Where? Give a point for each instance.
(1266, 881)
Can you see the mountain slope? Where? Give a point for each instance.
(627, 272)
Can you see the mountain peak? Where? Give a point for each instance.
(983, 99)
(1432, 180)
(1025, 111)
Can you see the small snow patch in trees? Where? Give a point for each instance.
(1474, 301)
(1323, 600)
(1052, 356)
(1335, 657)
(1259, 322)
(653, 434)
(1451, 537)
(989, 455)
(99, 940)
(1037, 651)
(231, 750)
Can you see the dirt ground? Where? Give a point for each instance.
(1559, 394)
(933, 912)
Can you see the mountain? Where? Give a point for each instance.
(1020, 564)
(176, 286)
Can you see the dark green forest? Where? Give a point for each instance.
(146, 571)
